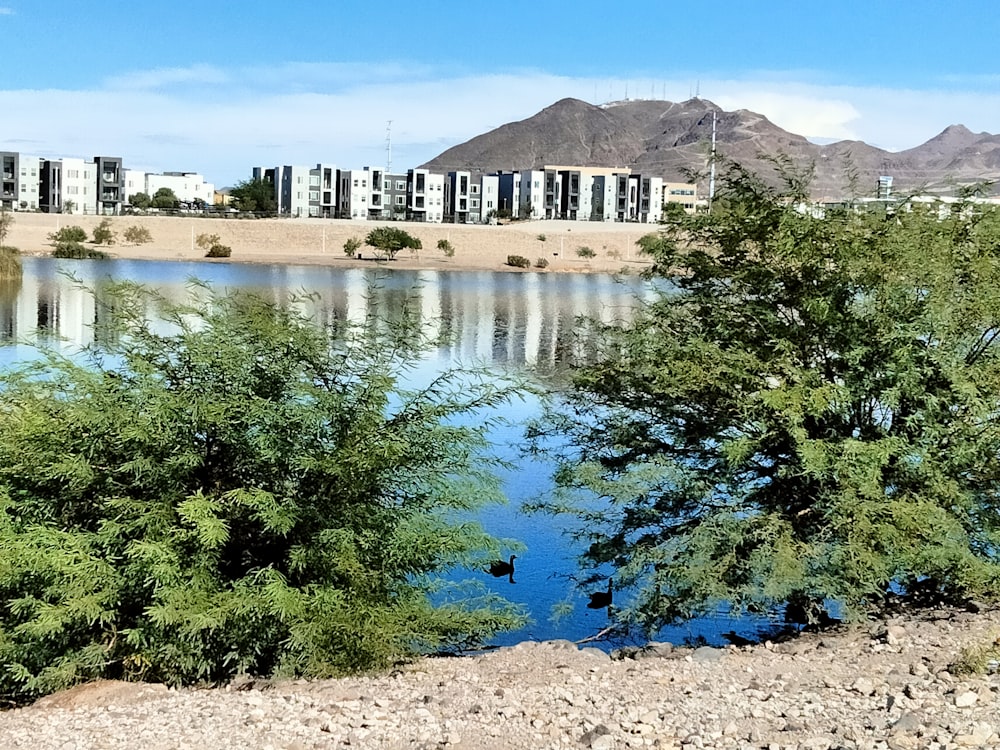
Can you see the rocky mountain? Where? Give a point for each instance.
(672, 140)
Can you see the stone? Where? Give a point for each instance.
(966, 699)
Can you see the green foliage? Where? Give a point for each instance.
(255, 195)
(809, 410)
(542, 238)
(73, 249)
(585, 252)
(6, 222)
(518, 261)
(388, 241)
(447, 248)
(219, 251)
(351, 246)
(164, 198)
(137, 235)
(206, 240)
(103, 233)
(542, 263)
(10, 263)
(978, 658)
(69, 234)
(142, 201)
(213, 246)
(673, 212)
(68, 207)
(235, 488)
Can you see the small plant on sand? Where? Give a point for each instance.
(585, 252)
(137, 235)
(542, 263)
(541, 238)
(351, 246)
(104, 234)
(447, 248)
(518, 261)
(77, 251)
(978, 658)
(213, 246)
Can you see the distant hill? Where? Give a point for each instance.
(671, 140)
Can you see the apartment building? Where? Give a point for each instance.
(189, 187)
(19, 178)
(425, 196)
(683, 193)
(73, 185)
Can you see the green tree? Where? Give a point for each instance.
(164, 198)
(137, 235)
(255, 195)
(237, 488)
(388, 241)
(808, 411)
(142, 201)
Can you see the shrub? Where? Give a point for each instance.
(69, 234)
(518, 261)
(542, 238)
(542, 263)
(10, 262)
(206, 241)
(219, 251)
(259, 494)
(104, 234)
(585, 252)
(352, 245)
(447, 248)
(137, 235)
(72, 249)
(388, 241)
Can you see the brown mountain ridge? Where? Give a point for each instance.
(673, 140)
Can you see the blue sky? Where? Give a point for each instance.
(222, 86)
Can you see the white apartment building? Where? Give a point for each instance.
(19, 178)
(189, 187)
(354, 193)
(425, 196)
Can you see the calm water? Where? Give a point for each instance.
(520, 320)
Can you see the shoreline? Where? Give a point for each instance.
(477, 247)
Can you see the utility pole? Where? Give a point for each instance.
(711, 171)
(388, 147)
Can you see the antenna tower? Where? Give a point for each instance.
(388, 147)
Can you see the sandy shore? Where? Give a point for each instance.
(321, 241)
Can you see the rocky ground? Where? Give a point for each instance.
(886, 685)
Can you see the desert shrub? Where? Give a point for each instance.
(541, 238)
(205, 241)
(388, 241)
(219, 251)
(518, 261)
(72, 249)
(542, 263)
(447, 248)
(585, 252)
(103, 233)
(69, 234)
(978, 658)
(352, 246)
(245, 490)
(137, 235)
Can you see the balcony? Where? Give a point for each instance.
(110, 177)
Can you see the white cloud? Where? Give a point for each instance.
(222, 122)
(6, 11)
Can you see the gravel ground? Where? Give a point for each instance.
(886, 685)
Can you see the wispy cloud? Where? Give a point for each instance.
(6, 11)
(222, 121)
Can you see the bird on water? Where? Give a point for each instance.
(499, 568)
(600, 599)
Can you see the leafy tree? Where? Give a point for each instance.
(351, 246)
(808, 411)
(236, 488)
(103, 233)
(164, 198)
(673, 212)
(388, 241)
(142, 201)
(447, 248)
(68, 206)
(255, 195)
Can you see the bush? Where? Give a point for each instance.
(447, 248)
(72, 249)
(351, 246)
(69, 234)
(205, 241)
(542, 238)
(10, 263)
(542, 263)
(388, 241)
(518, 261)
(219, 251)
(244, 491)
(104, 234)
(585, 252)
(137, 235)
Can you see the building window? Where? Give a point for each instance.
(400, 200)
(72, 174)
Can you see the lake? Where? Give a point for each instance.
(524, 321)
